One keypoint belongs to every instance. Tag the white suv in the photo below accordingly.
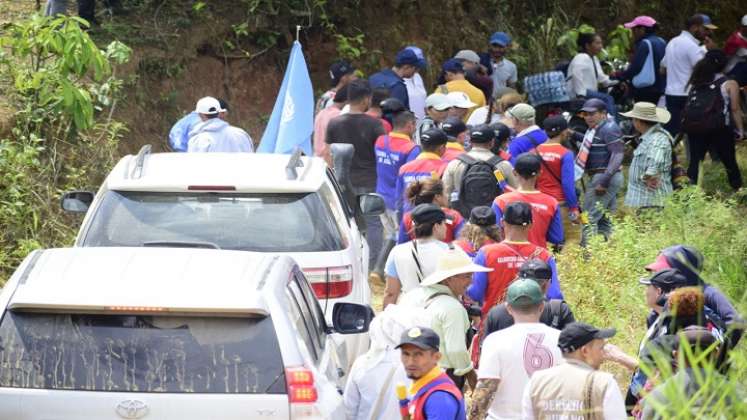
(136, 333)
(238, 201)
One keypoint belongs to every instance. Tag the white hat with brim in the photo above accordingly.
(460, 100)
(438, 101)
(647, 111)
(453, 262)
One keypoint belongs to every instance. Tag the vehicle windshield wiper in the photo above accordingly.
(181, 244)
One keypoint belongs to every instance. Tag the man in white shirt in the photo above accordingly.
(680, 56)
(213, 134)
(415, 87)
(511, 356)
(576, 388)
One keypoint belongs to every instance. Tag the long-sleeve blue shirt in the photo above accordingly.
(526, 142)
(179, 134)
(639, 59)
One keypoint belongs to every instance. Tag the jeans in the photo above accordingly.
(608, 100)
(55, 7)
(646, 95)
(720, 142)
(373, 230)
(598, 206)
(675, 106)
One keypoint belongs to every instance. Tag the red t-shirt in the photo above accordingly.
(505, 258)
(552, 155)
(546, 222)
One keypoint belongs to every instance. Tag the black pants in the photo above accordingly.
(459, 381)
(646, 95)
(722, 144)
(675, 106)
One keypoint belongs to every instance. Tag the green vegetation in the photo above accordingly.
(58, 80)
(602, 287)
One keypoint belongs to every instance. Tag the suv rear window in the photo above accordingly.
(246, 222)
(133, 353)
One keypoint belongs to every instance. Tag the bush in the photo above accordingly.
(601, 285)
(58, 79)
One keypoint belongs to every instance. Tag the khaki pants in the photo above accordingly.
(572, 232)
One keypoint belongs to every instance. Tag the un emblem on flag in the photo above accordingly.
(289, 109)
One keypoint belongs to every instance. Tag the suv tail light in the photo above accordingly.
(330, 282)
(302, 393)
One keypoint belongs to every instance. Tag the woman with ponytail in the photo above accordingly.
(426, 192)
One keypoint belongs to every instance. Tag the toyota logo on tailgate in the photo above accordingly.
(132, 409)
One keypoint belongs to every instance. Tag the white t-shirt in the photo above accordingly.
(416, 95)
(582, 75)
(512, 355)
(401, 261)
(479, 115)
(367, 384)
(680, 56)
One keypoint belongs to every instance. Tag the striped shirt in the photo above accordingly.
(652, 158)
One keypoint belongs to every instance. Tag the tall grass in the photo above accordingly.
(601, 285)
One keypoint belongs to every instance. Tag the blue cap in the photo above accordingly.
(407, 57)
(500, 38)
(594, 105)
(453, 65)
(422, 62)
(706, 21)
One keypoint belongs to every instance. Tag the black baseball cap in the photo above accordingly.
(667, 280)
(554, 125)
(482, 216)
(338, 69)
(427, 213)
(392, 106)
(528, 165)
(594, 105)
(481, 134)
(577, 334)
(535, 269)
(502, 132)
(518, 213)
(433, 137)
(453, 126)
(421, 337)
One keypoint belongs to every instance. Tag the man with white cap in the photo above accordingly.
(440, 296)
(643, 71)
(213, 134)
(461, 105)
(649, 175)
(369, 392)
(437, 106)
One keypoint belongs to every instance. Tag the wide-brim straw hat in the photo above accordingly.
(647, 111)
(451, 263)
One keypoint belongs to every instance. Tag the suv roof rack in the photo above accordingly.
(294, 162)
(137, 172)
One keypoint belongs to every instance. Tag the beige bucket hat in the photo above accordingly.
(453, 262)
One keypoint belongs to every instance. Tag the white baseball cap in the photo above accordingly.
(744, 20)
(208, 106)
(439, 101)
(468, 55)
(460, 100)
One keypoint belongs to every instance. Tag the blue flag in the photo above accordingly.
(292, 121)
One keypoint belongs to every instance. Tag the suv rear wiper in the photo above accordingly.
(181, 244)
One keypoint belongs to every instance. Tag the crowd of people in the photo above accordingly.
(480, 195)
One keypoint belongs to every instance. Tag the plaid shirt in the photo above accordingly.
(652, 158)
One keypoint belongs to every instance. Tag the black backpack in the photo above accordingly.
(705, 109)
(479, 185)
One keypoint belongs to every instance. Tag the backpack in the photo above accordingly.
(705, 109)
(479, 185)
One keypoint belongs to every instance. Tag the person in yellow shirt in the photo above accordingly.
(456, 82)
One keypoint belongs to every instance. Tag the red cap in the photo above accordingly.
(660, 263)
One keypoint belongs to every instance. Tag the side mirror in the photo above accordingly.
(77, 201)
(371, 204)
(351, 318)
